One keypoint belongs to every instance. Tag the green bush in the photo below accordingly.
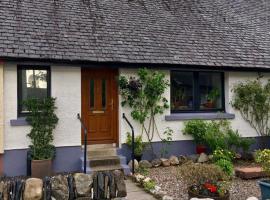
(43, 120)
(149, 185)
(197, 129)
(226, 166)
(223, 154)
(263, 158)
(138, 143)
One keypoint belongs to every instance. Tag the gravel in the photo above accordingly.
(167, 179)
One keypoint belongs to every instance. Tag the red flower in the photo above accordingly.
(212, 188)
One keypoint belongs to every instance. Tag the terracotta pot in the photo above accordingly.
(41, 168)
(193, 195)
(200, 149)
(209, 104)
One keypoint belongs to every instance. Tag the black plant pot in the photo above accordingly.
(138, 157)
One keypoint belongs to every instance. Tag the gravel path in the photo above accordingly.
(166, 178)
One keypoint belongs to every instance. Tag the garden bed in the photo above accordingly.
(175, 187)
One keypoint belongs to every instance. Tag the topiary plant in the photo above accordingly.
(43, 120)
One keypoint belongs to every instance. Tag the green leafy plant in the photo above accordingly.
(43, 121)
(149, 185)
(197, 129)
(263, 158)
(144, 95)
(223, 154)
(213, 95)
(166, 141)
(139, 145)
(143, 171)
(252, 99)
(226, 166)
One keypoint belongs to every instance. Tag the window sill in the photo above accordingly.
(21, 121)
(204, 116)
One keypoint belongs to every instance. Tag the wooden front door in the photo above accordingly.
(100, 105)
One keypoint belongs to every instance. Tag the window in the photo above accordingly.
(196, 91)
(33, 82)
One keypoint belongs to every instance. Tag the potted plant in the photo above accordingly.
(43, 120)
(205, 181)
(212, 97)
(138, 145)
(197, 129)
(263, 157)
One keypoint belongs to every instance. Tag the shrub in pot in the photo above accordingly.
(197, 129)
(138, 145)
(263, 158)
(43, 120)
(205, 181)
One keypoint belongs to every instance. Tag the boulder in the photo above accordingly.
(174, 160)
(139, 177)
(60, 187)
(83, 183)
(33, 189)
(145, 164)
(193, 157)
(165, 162)
(120, 183)
(167, 198)
(249, 172)
(203, 158)
(182, 159)
(156, 162)
(136, 164)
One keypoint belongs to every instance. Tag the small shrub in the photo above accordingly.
(143, 171)
(226, 166)
(149, 185)
(197, 129)
(263, 158)
(196, 173)
(223, 154)
(138, 144)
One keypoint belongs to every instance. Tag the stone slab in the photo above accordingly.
(249, 172)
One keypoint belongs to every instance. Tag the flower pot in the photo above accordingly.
(209, 104)
(138, 157)
(191, 194)
(265, 189)
(41, 168)
(200, 149)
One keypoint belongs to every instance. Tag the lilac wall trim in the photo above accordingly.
(67, 160)
(183, 147)
(21, 121)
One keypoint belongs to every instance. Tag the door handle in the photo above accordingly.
(98, 111)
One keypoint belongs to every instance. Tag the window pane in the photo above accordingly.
(92, 93)
(210, 88)
(103, 93)
(181, 91)
(33, 84)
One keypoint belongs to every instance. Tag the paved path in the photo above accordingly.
(136, 193)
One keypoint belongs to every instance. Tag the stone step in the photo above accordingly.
(99, 146)
(249, 172)
(101, 152)
(104, 161)
(103, 168)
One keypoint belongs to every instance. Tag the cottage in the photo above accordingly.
(75, 49)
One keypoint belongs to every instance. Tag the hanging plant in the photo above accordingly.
(144, 95)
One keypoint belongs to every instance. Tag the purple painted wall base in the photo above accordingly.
(67, 160)
(183, 147)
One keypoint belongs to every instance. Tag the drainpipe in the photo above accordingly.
(1, 115)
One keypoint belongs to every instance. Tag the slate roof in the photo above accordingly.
(197, 32)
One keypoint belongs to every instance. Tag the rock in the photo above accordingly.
(203, 158)
(136, 164)
(83, 184)
(147, 179)
(252, 198)
(145, 164)
(60, 187)
(120, 183)
(238, 156)
(139, 177)
(165, 162)
(33, 189)
(167, 198)
(174, 160)
(210, 157)
(249, 172)
(182, 159)
(156, 162)
(193, 157)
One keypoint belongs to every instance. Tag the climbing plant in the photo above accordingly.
(43, 120)
(252, 99)
(144, 95)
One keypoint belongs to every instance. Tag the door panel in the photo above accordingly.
(99, 105)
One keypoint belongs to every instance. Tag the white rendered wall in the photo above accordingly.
(66, 87)
(231, 78)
